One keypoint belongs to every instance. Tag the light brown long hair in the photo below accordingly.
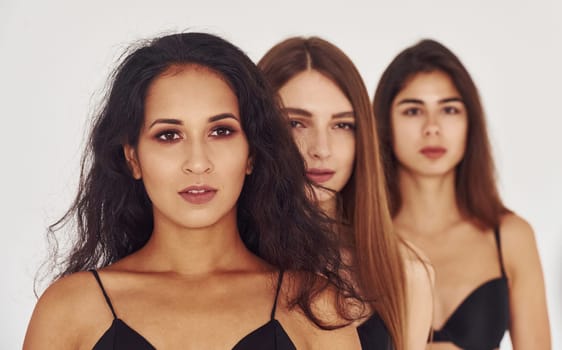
(475, 186)
(379, 266)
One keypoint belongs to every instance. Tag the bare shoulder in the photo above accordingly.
(67, 295)
(518, 243)
(516, 229)
(517, 235)
(58, 318)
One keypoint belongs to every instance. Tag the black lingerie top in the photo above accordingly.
(373, 334)
(120, 336)
(481, 320)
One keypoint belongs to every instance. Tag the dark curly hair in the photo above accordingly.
(111, 216)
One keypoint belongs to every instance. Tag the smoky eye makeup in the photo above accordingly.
(167, 135)
(222, 131)
(224, 127)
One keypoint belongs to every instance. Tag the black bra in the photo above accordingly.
(481, 320)
(120, 336)
(374, 335)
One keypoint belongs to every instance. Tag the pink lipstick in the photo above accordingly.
(199, 194)
(433, 152)
(319, 175)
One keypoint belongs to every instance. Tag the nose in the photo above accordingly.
(197, 160)
(319, 145)
(431, 127)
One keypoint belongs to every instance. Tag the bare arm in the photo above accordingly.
(420, 279)
(529, 327)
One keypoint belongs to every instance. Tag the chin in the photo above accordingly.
(436, 172)
(323, 195)
(199, 221)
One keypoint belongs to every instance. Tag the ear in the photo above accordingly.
(250, 165)
(132, 161)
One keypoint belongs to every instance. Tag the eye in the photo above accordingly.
(295, 124)
(345, 126)
(222, 131)
(168, 136)
(412, 112)
(451, 110)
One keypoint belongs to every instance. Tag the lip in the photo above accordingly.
(319, 175)
(433, 152)
(199, 194)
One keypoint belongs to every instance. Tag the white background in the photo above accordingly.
(55, 57)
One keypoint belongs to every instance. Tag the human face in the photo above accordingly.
(429, 125)
(323, 127)
(192, 154)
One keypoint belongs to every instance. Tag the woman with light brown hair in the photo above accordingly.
(443, 197)
(330, 114)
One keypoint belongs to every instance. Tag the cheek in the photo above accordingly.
(399, 149)
(300, 138)
(230, 158)
(344, 145)
(403, 136)
(462, 139)
(159, 176)
(458, 130)
(158, 164)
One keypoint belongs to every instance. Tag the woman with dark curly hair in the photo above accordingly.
(193, 229)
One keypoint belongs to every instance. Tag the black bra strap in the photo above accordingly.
(95, 273)
(499, 246)
(279, 282)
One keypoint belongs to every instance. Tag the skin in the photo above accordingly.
(463, 256)
(323, 125)
(194, 285)
(420, 280)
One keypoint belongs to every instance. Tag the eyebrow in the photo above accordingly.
(298, 111)
(305, 113)
(451, 99)
(420, 102)
(166, 121)
(180, 122)
(346, 114)
(222, 116)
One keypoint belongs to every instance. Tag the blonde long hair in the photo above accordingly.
(378, 262)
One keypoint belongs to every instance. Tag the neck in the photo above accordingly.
(197, 251)
(428, 202)
(328, 206)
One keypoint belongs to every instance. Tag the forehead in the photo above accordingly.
(434, 83)
(189, 91)
(314, 91)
